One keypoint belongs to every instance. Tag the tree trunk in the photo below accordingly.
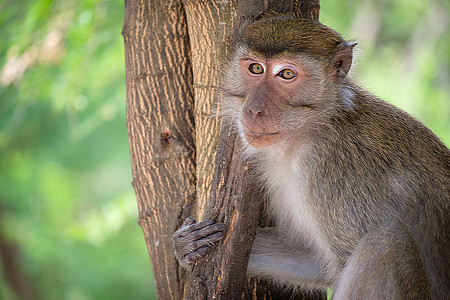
(160, 124)
(210, 26)
(173, 175)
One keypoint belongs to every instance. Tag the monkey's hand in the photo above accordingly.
(193, 240)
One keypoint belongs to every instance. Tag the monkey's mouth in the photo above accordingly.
(260, 139)
(261, 134)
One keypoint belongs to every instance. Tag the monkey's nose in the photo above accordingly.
(257, 111)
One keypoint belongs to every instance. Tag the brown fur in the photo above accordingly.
(374, 180)
(299, 35)
(359, 191)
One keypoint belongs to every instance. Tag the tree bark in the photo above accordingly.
(174, 51)
(160, 124)
(210, 25)
(307, 9)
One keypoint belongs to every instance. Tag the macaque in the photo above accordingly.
(358, 189)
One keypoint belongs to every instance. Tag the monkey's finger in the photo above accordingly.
(185, 230)
(188, 221)
(206, 231)
(209, 240)
(198, 225)
(191, 258)
(215, 237)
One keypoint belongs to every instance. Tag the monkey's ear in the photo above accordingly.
(342, 61)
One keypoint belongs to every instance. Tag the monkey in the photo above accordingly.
(358, 189)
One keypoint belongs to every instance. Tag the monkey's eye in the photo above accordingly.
(256, 68)
(286, 74)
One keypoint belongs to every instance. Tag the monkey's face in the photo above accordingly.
(285, 78)
(275, 89)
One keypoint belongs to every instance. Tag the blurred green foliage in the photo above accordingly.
(66, 201)
(65, 180)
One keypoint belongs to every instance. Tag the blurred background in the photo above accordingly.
(68, 214)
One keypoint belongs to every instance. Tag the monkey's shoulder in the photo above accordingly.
(376, 141)
(375, 122)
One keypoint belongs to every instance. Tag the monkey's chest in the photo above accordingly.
(292, 210)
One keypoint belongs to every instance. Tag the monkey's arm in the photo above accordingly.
(193, 240)
(272, 258)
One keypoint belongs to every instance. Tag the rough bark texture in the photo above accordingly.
(308, 9)
(161, 128)
(174, 50)
(210, 26)
(211, 278)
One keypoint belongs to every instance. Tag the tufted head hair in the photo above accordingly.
(275, 34)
